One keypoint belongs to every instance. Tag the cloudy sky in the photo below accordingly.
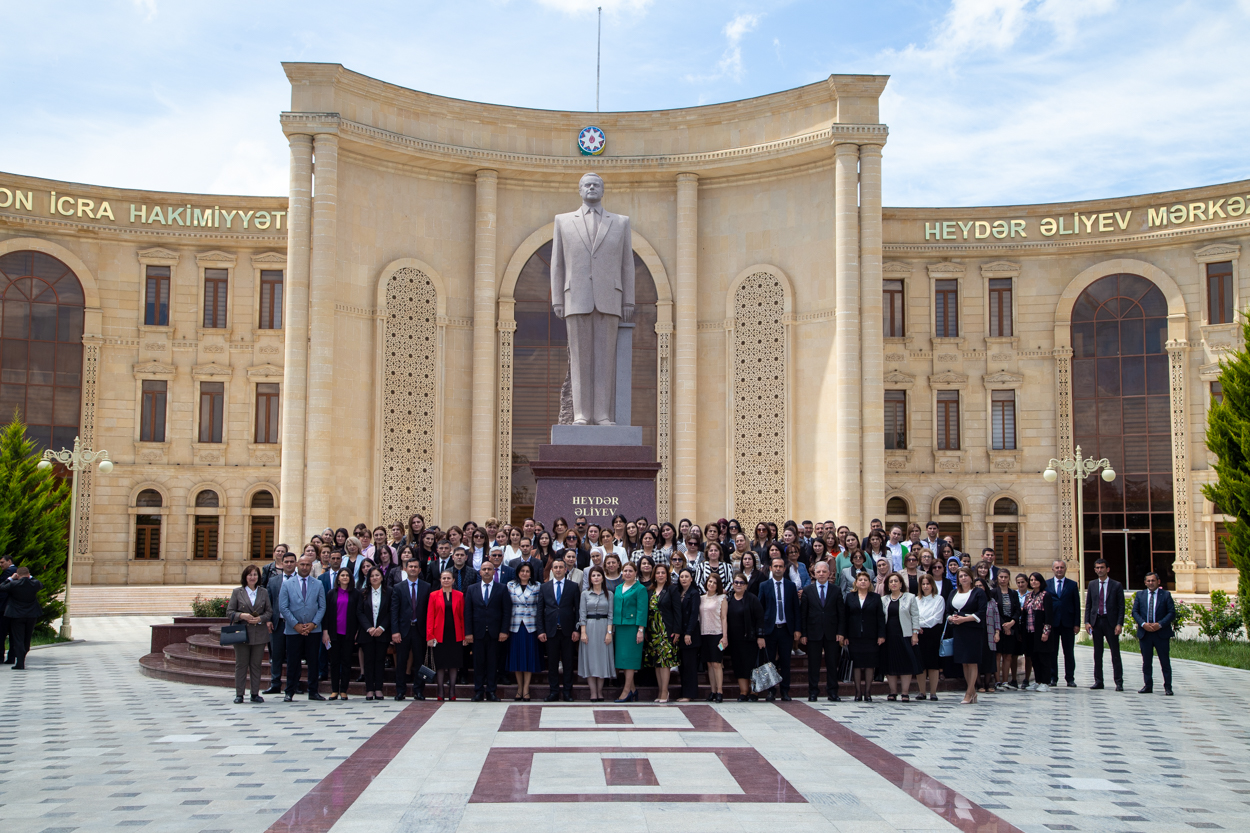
(990, 101)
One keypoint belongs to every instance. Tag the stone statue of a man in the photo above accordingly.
(592, 289)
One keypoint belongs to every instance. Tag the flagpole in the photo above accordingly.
(598, 57)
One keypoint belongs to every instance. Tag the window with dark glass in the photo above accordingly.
(1000, 308)
(215, 283)
(946, 309)
(1217, 392)
(271, 299)
(152, 412)
(896, 506)
(206, 529)
(950, 507)
(212, 402)
(262, 533)
(1220, 292)
(1007, 533)
(892, 306)
(156, 301)
(267, 413)
(948, 420)
(41, 346)
(1003, 418)
(148, 527)
(1222, 536)
(896, 419)
(1121, 410)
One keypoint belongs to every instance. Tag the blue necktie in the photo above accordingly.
(558, 588)
(304, 588)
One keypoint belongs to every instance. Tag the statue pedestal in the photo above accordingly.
(594, 476)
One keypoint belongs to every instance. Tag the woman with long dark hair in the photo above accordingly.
(444, 633)
(689, 644)
(373, 615)
(864, 629)
(338, 632)
(1038, 616)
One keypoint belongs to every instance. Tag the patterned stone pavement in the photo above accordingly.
(90, 744)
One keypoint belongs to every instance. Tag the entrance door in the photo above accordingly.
(1129, 566)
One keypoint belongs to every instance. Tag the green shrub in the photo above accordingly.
(1222, 620)
(1185, 613)
(209, 608)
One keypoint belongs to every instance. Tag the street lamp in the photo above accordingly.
(77, 460)
(1078, 468)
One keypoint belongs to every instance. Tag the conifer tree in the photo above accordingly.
(1228, 435)
(34, 515)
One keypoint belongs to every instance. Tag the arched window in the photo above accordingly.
(207, 498)
(1006, 506)
(1121, 410)
(1006, 533)
(950, 506)
(148, 527)
(261, 537)
(41, 346)
(950, 521)
(207, 525)
(896, 506)
(540, 362)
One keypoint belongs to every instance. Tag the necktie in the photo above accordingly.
(304, 588)
(1102, 597)
(781, 605)
(412, 588)
(594, 227)
(559, 587)
(486, 592)
(822, 595)
(1151, 618)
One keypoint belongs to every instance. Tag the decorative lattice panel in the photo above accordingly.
(759, 357)
(86, 432)
(409, 391)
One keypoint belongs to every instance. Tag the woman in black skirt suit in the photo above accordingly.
(902, 636)
(373, 614)
(864, 629)
(746, 614)
(1009, 616)
(966, 614)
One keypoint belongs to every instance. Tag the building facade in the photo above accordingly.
(379, 341)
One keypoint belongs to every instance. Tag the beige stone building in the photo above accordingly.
(379, 342)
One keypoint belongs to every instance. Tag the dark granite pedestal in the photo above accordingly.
(597, 481)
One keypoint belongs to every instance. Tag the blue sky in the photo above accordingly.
(990, 101)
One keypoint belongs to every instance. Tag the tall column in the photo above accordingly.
(482, 477)
(871, 335)
(295, 337)
(321, 291)
(686, 350)
(846, 334)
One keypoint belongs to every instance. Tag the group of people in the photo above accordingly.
(639, 601)
(19, 611)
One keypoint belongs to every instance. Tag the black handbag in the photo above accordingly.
(233, 634)
(425, 674)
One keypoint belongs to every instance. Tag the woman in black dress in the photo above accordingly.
(902, 635)
(1009, 616)
(864, 629)
(966, 616)
(689, 643)
(746, 614)
(444, 632)
(373, 614)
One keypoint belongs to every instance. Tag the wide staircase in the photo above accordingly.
(189, 651)
(147, 600)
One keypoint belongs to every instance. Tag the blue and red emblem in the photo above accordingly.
(591, 141)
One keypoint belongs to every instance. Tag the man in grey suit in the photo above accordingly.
(592, 289)
(302, 603)
(277, 633)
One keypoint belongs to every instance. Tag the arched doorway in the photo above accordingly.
(41, 357)
(540, 362)
(1121, 411)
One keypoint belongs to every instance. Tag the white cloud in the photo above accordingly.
(730, 64)
(148, 7)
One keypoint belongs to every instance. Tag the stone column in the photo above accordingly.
(872, 342)
(686, 350)
(1064, 448)
(320, 451)
(295, 336)
(482, 468)
(846, 344)
(1185, 569)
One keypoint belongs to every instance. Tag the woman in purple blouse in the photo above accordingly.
(338, 632)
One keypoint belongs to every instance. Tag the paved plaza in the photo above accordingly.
(90, 744)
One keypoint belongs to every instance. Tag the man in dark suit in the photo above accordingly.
(529, 557)
(442, 561)
(820, 615)
(6, 572)
(487, 617)
(23, 611)
(780, 599)
(1067, 623)
(277, 631)
(502, 573)
(1154, 613)
(559, 605)
(462, 572)
(410, 599)
(1104, 619)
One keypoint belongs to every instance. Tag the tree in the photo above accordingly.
(1228, 435)
(34, 515)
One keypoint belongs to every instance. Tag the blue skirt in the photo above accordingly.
(523, 651)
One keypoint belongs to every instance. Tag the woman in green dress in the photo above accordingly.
(660, 651)
(629, 617)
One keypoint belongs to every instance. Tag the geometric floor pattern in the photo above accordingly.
(90, 744)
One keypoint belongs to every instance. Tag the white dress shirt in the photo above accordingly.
(251, 595)
(375, 595)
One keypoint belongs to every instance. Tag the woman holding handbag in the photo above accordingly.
(373, 616)
(745, 615)
(249, 605)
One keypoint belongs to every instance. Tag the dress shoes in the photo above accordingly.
(288, 697)
(273, 689)
(553, 697)
(312, 695)
(1071, 683)
(833, 698)
(1145, 690)
(256, 698)
(1119, 686)
(785, 698)
(419, 694)
(1096, 687)
(813, 697)
(492, 697)
(238, 700)
(479, 697)
(771, 696)
(1167, 691)
(399, 697)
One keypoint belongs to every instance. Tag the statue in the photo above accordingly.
(592, 289)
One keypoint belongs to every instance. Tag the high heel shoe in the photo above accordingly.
(628, 698)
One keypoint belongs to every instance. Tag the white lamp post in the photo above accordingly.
(76, 460)
(1078, 468)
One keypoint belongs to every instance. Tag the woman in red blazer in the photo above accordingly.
(444, 632)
